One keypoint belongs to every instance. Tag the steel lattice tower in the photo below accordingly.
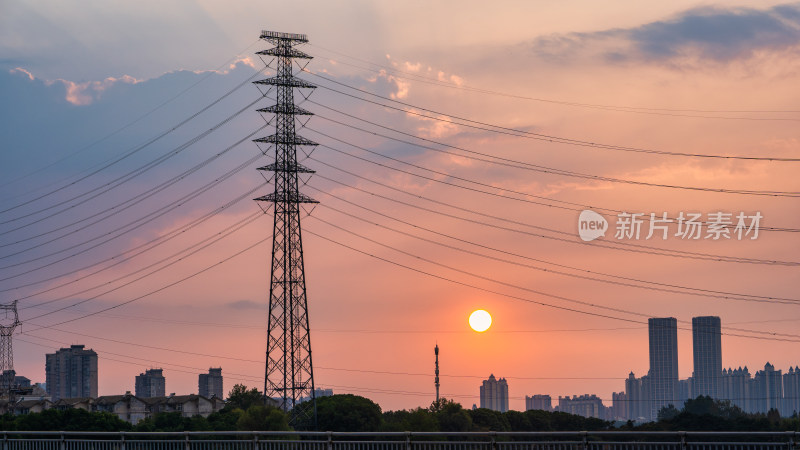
(9, 323)
(289, 376)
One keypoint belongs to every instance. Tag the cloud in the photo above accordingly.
(85, 93)
(245, 304)
(719, 34)
(81, 94)
(707, 34)
(22, 71)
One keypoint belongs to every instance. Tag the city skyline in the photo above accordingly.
(640, 400)
(407, 239)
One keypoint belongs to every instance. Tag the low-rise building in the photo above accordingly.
(127, 407)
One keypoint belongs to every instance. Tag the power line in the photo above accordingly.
(770, 335)
(621, 108)
(511, 285)
(124, 156)
(528, 134)
(130, 226)
(534, 167)
(127, 204)
(252, 246)
(128, 125)
(153, 243)
(123, 179)
(201, 245)
(670, 288)
(351, 370)
(622, 246)
(173, 321)
(496, 160)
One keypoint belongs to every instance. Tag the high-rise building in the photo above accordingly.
(767, 390)
(707, 346)
(637, 397)
(686, 391)
(791, 392)
(210, 384)
(71, 372)
(539, 401)
(494, 394)
(736, 385)
(619, 407)
(151, 383)
(663, 364)
(585, 405)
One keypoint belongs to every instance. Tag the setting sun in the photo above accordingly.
(480, 320)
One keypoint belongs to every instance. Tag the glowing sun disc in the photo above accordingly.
(480, 320)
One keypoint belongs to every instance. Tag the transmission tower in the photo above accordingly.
(289, 376)
(10, 321)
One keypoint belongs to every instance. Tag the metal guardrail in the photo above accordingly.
(601, 440)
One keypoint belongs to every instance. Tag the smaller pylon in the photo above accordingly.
(436, 351)
(8, 323)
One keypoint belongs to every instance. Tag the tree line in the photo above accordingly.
(245, 411)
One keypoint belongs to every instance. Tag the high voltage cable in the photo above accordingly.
(339, 369)
(250, 378)
(535, 167)
(118, 208)
(771, 336)
(124, 156)
(511, 285)
(132, 225)
(153, 243)
(576, 206)
(192, 249)
(621, 246)
(505, 162)
(667, 287)
(125, 178)
(527, 134)
(385, 331)
(142, 220)
(252, 246)
(170, 365)
(129, 124)
(591, 105)
(649, 111)
(436, 276)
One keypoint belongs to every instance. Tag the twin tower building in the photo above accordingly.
(663, 380)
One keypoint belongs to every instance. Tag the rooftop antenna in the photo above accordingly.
(436, 351)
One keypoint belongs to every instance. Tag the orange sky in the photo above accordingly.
(702, 76)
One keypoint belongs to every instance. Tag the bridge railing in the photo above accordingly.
(579, 440)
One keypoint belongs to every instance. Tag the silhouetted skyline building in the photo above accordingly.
(585, 405)
(210, 384)
(685, 391)
(619, 407)
(71, 373)
(663, 374)
(791, 392)
(736, 384)
(494, 394)
(541, 402)
(638, 397)
(767, 389)
(707, 353)
(151, 383)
